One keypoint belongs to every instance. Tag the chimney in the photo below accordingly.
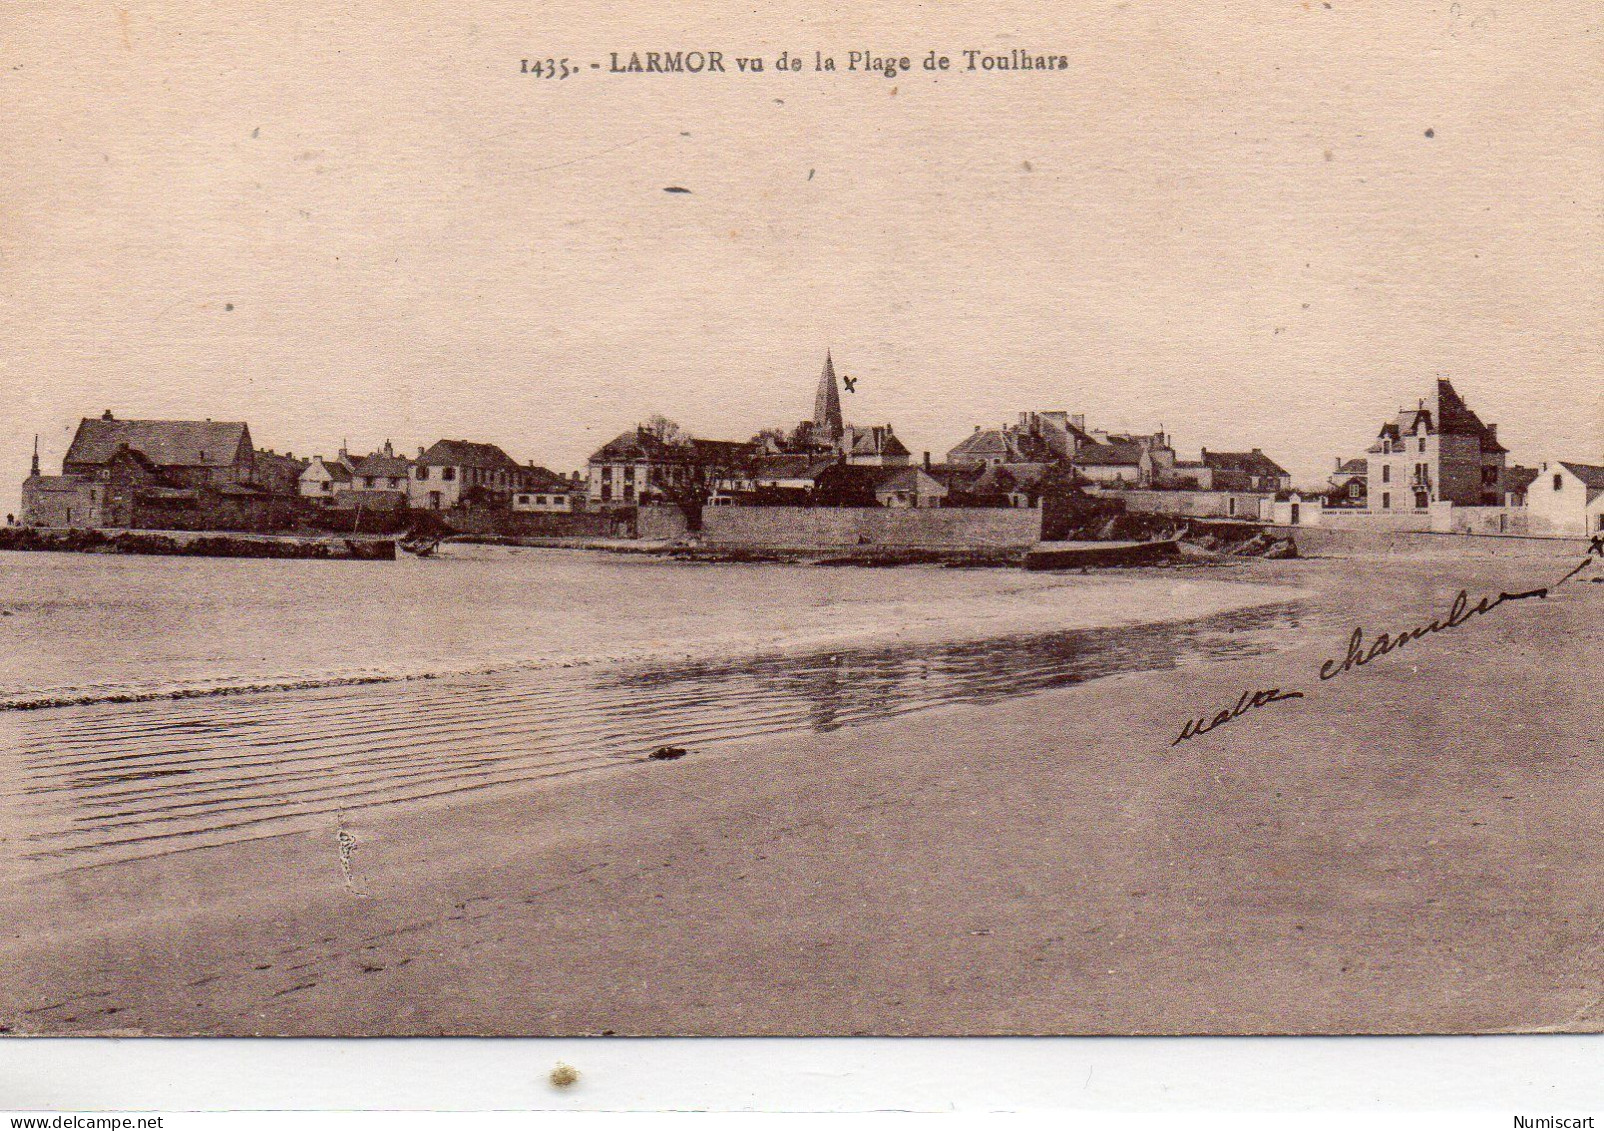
(1257, 452)
(107, 415)
(33, 472)
(420, 451)
(927, 461)
(1492, 430)
(977, 428)
(388, 450)
(1079, 421)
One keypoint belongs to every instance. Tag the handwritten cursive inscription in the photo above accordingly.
(1460, 612)
(1250, 700)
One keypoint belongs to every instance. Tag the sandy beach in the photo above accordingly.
(1046, 863)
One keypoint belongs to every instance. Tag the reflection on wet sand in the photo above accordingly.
(93, 784)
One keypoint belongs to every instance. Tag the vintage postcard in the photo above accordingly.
(570, 519)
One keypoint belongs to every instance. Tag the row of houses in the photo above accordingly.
(1436, 454)
(114, 465)
(828, 461)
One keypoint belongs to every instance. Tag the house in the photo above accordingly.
(773, 480)
(62, 502)
(1347, 483)
(1038, 437)
(324, 479)
(546, 492)
(863, 485)
(1121, 462)
(641, 466)
(873, 446)
(381, 481)
(1245, 471)
(279, 474)
(1437, 451)
(1189, 475)
(105, 498)
(185, 453)
(454, 473)
(1567, 498)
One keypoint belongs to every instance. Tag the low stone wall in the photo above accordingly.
(820, 527)
(1491, 520)
(1200, 504)
(1328, 541)
(536, 524)
(661, 523)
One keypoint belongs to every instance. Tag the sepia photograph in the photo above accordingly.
(557, 520)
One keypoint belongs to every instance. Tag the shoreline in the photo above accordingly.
(1109, 598)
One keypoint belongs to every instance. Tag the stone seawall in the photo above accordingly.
(839, 527)
(1326, 541)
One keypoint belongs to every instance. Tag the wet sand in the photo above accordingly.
(1413, 846)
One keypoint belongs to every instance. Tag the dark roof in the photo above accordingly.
(634, 445)
(167, 443)
(466, 453)
(637, 446)
(982, 442)
(791, 467)
(545, 479)
(1517, 478)
(379, 465)
(1353, 467)
(1588, 473)
(1121, 454)
(1455, 418)
(722, 451)
(875, 441)
(269, 456)
(1250, 463)
(1445, 412)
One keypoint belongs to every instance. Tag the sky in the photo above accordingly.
(1259, 225)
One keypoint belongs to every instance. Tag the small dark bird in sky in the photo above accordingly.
(676, 188)
(850, 384)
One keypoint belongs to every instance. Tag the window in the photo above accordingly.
(629, 491)
(394, 482)
(448, 473)
(1559, 481)
(328, 485)
(1386, 499)
(423, 473)
(367, 480)
(1422, 443)
(1386, 473)
(606, 491)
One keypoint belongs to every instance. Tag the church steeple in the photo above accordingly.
(827, 425)
(33, 472)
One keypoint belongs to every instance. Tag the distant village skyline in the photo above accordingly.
(1308, 472)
